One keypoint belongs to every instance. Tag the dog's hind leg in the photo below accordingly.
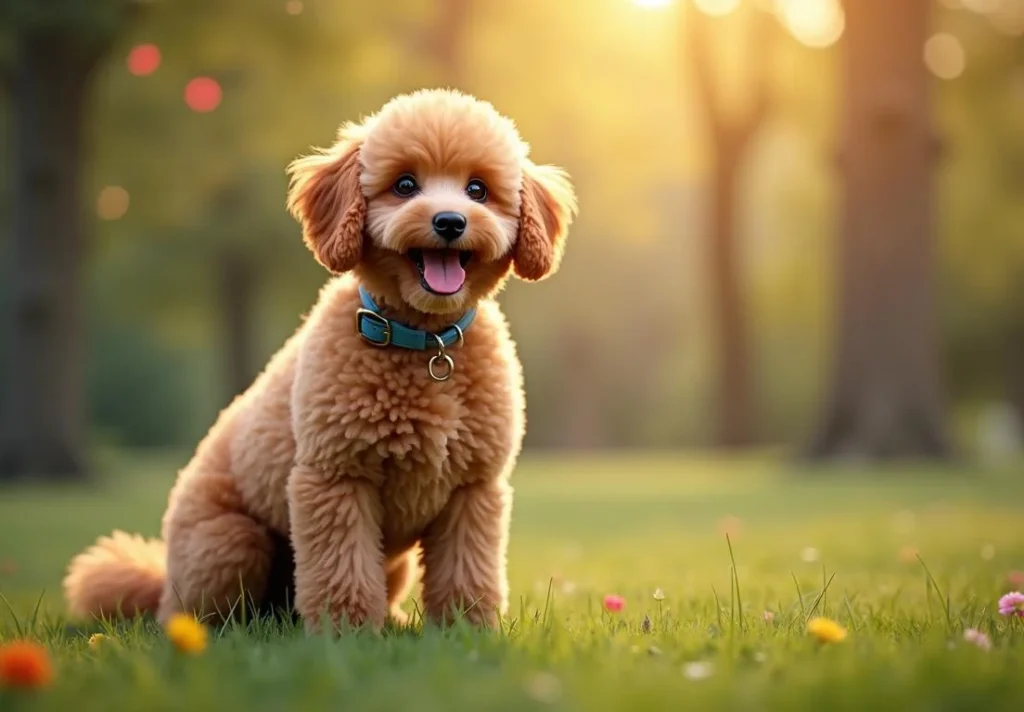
(216, 552)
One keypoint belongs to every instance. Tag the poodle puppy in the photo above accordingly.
(379, 440)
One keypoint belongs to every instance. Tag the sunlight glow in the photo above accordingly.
(944, 56)
(815, 23)
(112, 203)
(716, 8)
(652, 4)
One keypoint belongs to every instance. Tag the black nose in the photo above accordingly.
(449, 226)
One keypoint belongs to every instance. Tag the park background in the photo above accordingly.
(152, 272)
(791, 313)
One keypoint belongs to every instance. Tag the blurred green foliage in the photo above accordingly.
(615, 347)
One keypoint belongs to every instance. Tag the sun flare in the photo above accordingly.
(652, 4)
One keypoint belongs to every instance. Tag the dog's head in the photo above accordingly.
(432, 202)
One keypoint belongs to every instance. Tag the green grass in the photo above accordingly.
(583, 528)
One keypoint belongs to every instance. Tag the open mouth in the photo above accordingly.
(441, 271)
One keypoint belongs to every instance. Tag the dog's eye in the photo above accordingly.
(405, 186)
(476, 190)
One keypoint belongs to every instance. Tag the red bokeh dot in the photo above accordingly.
(202, 94)
(143, 59)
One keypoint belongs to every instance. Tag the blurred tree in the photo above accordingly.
(210, 193)
(730, 142)
(982, 109)
(886, 397)
(56, 48)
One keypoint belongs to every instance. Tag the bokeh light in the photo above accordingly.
(112, 203)
(944, 56)
(293, 7)
(717, 8)
(814, 23)
(202, 94)
(143, 59)
(1008, 19)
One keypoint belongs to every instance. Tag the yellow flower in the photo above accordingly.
(96, 640)
(186, 633)
(826, 630)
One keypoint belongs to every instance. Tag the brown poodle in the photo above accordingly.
(383, 433)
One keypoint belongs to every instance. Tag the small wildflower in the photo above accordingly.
(186, 633)
(810, 555)
(698, 670)
(645, 626)
(613, 603)
(544, 687)
(569, 587)
(976, 637)
(730, 526)
(25, 665)
(1015, 578)
(659, 595)
(96, 640)
(760, 657)
(1012, 604)
(908, 554)
(654, 650)
(826, 630)
(768, 616)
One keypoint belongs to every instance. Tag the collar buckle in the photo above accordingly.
(374, 317)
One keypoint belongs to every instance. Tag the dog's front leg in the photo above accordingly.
(464, 556)
(339, 562)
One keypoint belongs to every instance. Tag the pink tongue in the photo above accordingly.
(442, 271)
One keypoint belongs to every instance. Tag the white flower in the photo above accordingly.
(544, 687)
(698, 670)
(659, 595)
(810, 555)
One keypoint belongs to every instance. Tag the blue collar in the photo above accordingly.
(381, 331)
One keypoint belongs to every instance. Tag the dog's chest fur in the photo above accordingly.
(379, 416)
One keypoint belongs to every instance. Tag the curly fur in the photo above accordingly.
(347, 456)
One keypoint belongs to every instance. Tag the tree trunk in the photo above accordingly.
(43, 432)
(730, 139)
(237, 283)
(735, 403)
(886, 395)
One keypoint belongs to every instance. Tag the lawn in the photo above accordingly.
(847, 545)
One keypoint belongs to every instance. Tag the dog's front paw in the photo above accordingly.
(339, 617)
(351, 613)
(478, 612)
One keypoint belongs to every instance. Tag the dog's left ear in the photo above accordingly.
(548, 208)
(326, 197)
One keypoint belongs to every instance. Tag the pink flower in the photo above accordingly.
(614, 603)
(1015, 578)
(768, 616)
(976, 637)
(1012, 604)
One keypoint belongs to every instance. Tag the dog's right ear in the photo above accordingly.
(325, 196)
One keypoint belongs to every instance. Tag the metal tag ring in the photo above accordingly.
(450, 367)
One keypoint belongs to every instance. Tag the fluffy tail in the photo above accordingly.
(122, 574)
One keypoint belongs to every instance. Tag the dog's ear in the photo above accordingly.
(325, 196)
(548, 208)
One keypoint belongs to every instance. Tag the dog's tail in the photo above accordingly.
(121, 574)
